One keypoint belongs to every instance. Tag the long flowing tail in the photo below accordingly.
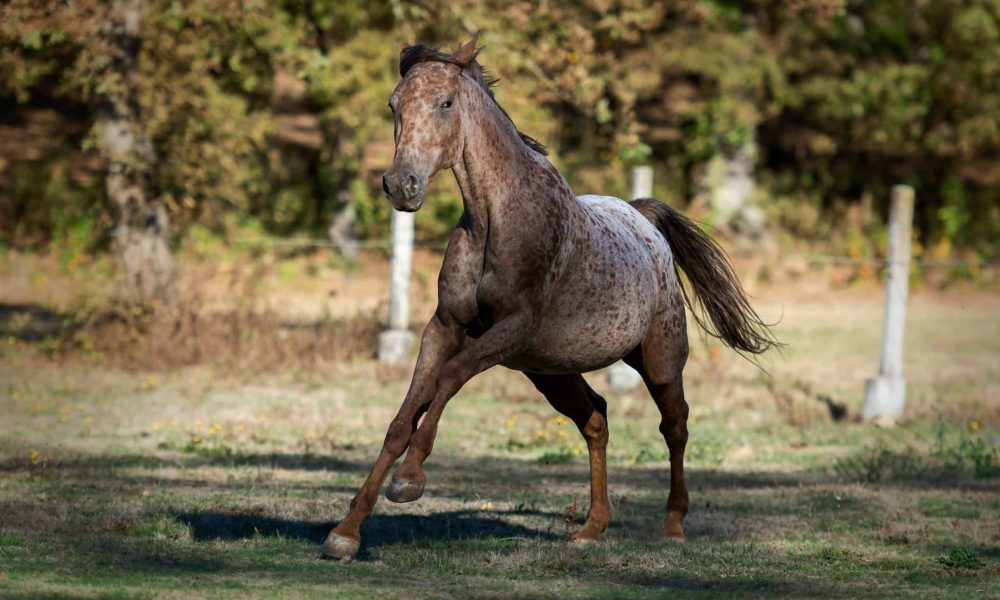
(719, 303)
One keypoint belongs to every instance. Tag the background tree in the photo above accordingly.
(270, 116)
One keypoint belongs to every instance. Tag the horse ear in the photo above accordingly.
(468, 51)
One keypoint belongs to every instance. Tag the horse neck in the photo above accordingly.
(494, 159)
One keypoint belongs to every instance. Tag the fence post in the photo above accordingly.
(394, 343)
(886, 394)
(620, 375)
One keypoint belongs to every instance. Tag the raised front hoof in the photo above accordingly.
(404, 490)
(339, 547)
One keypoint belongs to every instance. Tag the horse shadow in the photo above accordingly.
(378, 531)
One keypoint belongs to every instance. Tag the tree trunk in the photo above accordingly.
(141, 236)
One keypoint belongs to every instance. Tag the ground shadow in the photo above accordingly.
(29, 322)
(378, 531)
(272, 460)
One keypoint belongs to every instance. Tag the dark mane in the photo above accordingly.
(412, 56)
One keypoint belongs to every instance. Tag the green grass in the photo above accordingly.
(196, 483)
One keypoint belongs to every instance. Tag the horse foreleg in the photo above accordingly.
(439, 343)
(500, 342)
(571, 396)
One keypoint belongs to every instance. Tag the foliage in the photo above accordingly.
(273, 112)
(961, 558)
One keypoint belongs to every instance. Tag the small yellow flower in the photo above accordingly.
(156, 426)
(173, 422)
(198, 423)
(974, 426)
(510, 422)
(195, 439)
(562, 433)
(239, 428)
(88, 419)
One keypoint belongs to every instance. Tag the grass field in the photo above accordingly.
(215, 482)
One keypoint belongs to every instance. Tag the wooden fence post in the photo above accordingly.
(620, 375)
(886, 394)
(394, 343)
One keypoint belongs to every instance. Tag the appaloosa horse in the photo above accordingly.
(540, 281)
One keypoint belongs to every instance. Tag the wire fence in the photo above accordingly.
(816, 258)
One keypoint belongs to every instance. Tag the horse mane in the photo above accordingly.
(464, 57)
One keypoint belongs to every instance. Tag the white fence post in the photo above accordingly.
(886, 394)
(620, 375)
(394, 343)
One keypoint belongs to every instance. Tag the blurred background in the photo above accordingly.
(194, 266)
(268, 119)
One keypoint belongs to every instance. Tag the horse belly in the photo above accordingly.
(592, 322)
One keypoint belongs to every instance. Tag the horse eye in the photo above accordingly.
(446, 104)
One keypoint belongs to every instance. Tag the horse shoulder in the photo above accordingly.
(460, 276)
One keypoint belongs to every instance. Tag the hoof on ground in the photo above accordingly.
(674, 529)
(673, 535)
(339, 547)
(404, 490)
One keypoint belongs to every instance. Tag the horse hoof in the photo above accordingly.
(404, 490)
(674, 536)
(339, 547)
(674, 528)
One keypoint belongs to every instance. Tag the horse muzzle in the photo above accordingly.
(404, 191)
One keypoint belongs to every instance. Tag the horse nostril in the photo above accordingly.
(411, 186)
(385, 187)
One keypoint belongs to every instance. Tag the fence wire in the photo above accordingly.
(386, 243)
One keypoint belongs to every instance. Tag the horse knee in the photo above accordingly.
(452, 379)
(397, 438)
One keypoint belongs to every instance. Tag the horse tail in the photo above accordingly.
(719, 304)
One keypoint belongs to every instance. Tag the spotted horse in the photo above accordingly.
(540, 281)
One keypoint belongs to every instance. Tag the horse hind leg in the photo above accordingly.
(660, 360)
(571, 396)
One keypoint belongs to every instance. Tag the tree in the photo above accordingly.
(141, 235)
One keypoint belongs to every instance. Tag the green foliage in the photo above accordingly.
(961, 558)
(276, 110)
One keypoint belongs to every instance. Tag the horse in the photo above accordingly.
(540, 281)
